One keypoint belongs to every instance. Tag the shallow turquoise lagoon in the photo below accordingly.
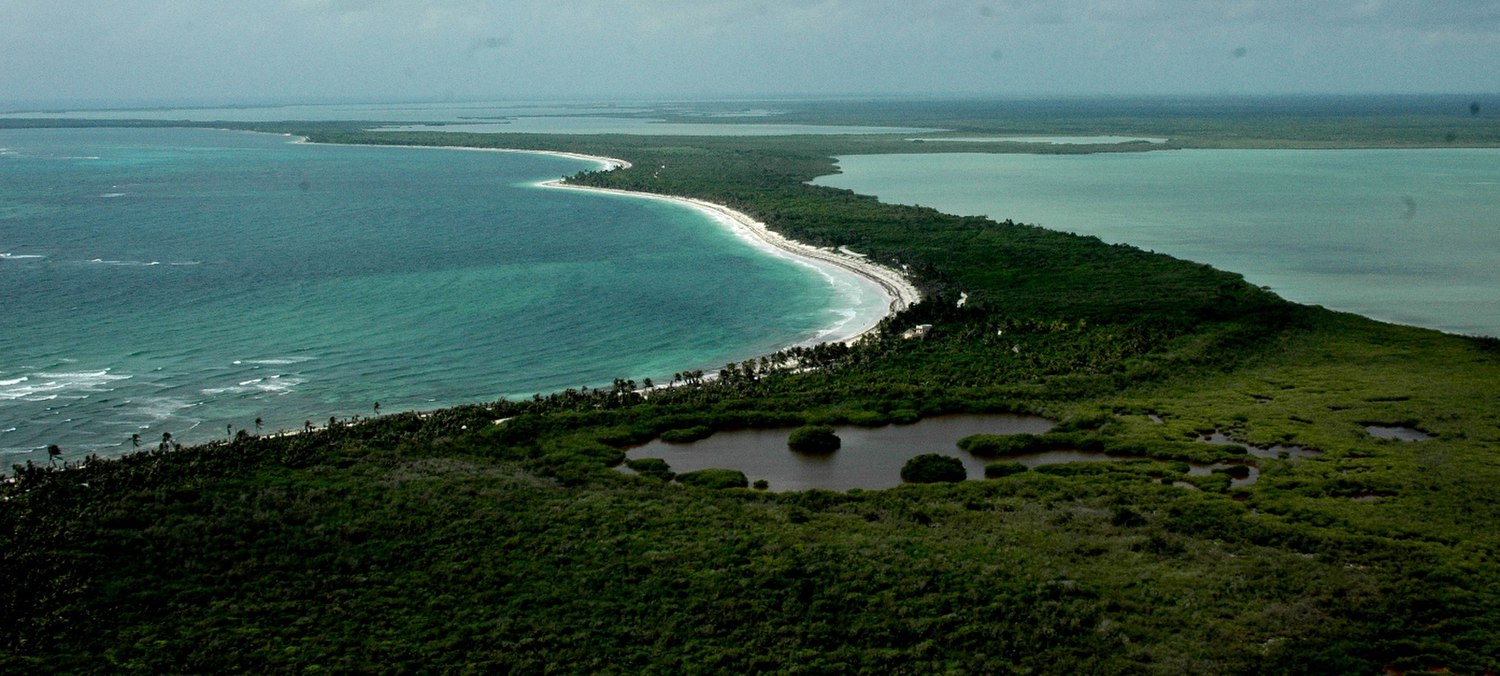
(1408, 236)
(191, 281)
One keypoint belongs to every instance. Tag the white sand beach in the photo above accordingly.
(898, 291)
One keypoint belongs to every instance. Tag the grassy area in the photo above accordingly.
(450, 542)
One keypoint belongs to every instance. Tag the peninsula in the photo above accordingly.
(448, 541)
(898, 290)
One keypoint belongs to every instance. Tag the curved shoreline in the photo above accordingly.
(899, 293)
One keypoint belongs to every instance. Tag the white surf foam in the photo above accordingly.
(101, 261)
(158, 409)
(838, 331)
(47, 386)
(277, 384)
(277, 361)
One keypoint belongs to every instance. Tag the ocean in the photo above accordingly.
(192, 281)
(1408, 236)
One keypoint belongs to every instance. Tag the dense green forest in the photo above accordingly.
(498, 536)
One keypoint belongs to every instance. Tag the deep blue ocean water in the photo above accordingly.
(183, 280)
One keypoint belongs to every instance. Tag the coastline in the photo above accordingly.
(606, 163)
(895, 291)
(898, 292)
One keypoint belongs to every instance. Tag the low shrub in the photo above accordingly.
(996, 445)
(715, 478)
(904, 416)
(652, 467)
(933, 468)
(996, 470)
(687, 435)
(814, 439)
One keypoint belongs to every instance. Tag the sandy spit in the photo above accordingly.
(898, 290)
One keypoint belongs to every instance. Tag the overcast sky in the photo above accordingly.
(222, 51)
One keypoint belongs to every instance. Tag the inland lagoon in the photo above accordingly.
(869, 457)
(872, 457)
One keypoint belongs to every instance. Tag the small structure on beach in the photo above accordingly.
(918, 331)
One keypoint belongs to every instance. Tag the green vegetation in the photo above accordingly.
(931, 468)
(714, 478)
(687, 435)
(447, 542)
(998, 470)
(813, 439)
(997, 445)
(652, 467)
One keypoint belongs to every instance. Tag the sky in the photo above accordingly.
(237, 51)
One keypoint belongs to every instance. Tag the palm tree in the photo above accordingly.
(135, 440)
(166, 441)
(258, 423)
(377, 408)
(53, 450)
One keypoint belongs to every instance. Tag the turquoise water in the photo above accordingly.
(174, 280)
(1409, 236)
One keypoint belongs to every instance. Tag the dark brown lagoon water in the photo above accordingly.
(870, 457)
(1397, 432)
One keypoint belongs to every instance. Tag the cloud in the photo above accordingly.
(539, 48)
